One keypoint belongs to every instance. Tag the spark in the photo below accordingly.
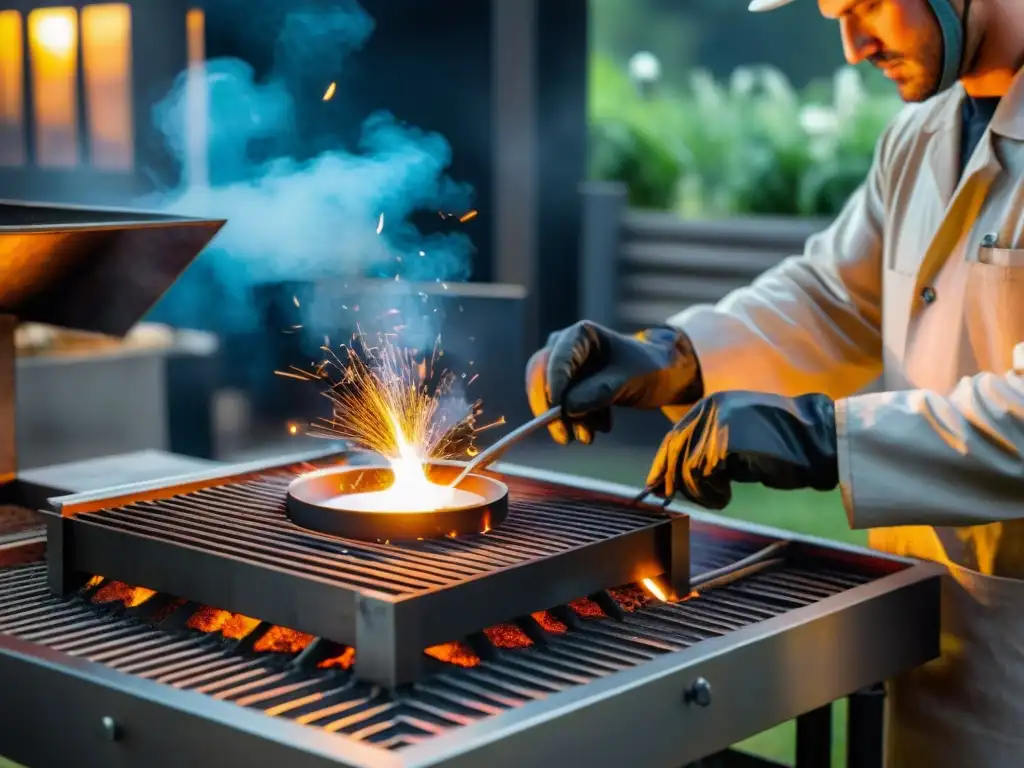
(300, 375)
(468, 216)
(329, 93)
(388, 400)
(380, 224)
(295, 300)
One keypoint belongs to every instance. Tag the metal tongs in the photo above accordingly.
(486, 457)
(641, 497)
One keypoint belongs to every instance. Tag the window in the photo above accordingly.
(107, 68)
(53, 44)
(12, 96)
(197, 107)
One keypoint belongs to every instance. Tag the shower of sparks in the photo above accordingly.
(329, 93)
(391, 401)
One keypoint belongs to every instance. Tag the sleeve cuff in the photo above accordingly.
(845, 459)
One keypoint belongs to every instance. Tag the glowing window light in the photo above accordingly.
(12, 114)
(107, 66)
(53, 38)
(196, 99)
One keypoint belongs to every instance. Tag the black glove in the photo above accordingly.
(748, 437)
(587, 368)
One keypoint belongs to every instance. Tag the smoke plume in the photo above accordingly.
(337, 214)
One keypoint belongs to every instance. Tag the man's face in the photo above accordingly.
(900, 37)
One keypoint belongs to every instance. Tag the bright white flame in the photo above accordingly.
(410, 476)
(654, 589)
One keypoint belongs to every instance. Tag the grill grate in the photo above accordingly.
(247, 520)
(279, 685)
(231, 544)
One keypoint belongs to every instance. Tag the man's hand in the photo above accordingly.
(747, 437)
(587, 368)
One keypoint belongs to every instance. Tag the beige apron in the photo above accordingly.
(920, 280)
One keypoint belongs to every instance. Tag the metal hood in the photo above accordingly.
(91, 269)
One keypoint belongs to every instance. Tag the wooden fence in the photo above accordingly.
(640, 267)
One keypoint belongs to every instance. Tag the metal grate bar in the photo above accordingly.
(591, 647)
(246, 520)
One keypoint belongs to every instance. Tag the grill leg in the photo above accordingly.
(865, 730)
(814, 738)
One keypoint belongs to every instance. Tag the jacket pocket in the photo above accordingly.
(993, 314)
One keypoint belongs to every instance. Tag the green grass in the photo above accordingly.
(808, 512)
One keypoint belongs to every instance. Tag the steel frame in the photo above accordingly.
(790, 666)
(391, 631)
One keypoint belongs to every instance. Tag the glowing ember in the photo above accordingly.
(116, 591)
(238, 626)
(630, 598)
(549, 623)
(282, 640)
(208, 619)
(344, 660)
(508, 636)
(458, 654)
(391, 404)
(587, 608)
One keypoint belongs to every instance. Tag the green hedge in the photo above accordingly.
(751, 146)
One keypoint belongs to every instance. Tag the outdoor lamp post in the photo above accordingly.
(644, 71)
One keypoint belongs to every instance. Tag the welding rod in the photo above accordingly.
(483, 459)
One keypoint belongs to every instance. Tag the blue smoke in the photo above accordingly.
(292, 219)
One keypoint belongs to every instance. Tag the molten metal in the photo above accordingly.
(386, 405)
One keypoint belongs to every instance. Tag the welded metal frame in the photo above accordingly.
(789, 666)
(390, 631)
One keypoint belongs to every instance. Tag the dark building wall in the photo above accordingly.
(562, 156)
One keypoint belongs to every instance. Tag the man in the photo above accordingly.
(919, 279)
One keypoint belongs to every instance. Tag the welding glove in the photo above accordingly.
(588, 368)
(747, 437)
